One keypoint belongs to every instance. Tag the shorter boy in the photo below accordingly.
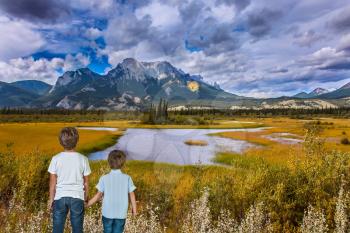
(115, 188)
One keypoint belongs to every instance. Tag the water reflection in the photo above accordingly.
(167, 145)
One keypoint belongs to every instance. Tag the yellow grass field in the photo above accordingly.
(28, 137)
(23, 138)
(333, 130)
(280, 176)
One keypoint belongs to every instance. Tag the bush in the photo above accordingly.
(345, 141)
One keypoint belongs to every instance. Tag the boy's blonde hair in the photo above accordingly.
(69, 138)
(116, 159)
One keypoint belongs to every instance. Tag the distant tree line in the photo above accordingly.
(157, 113)
(53, 111)
(290, 112)
(64, 115)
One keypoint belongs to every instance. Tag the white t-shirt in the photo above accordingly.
(70, 168)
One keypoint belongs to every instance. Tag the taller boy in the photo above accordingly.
(69, 172)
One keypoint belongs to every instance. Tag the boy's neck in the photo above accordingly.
(115, 169)
(69, 150)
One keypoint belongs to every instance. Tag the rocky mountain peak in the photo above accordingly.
(131, 63)
(140, 82)
(346, 86)
(319, 91)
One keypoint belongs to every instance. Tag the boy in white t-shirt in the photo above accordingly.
(69, 172)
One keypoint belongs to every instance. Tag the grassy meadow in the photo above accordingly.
(272, 187)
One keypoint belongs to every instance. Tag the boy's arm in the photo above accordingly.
(52, 190)
(133, 203)
(95, 199)
(86, 188)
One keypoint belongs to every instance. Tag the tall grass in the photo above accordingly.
(197, 220)
(249, 195)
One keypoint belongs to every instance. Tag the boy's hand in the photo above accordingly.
(87, 204)
(49, 205)
(134, 212)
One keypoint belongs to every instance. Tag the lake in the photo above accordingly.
(167, 145)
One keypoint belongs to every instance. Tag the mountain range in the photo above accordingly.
(134, 85)
(130, 85)
(33, 86)
(317, 92)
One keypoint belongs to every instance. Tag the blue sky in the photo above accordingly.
(264, 48)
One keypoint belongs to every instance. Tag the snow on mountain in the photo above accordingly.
(318, 91)
(346, 86)
(342, 92)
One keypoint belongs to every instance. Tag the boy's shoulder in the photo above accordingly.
(63, 154)
(56, 156)
(121, 174)
(66, 158)
(126, 175)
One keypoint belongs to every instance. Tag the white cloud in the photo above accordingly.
(344, 43)
(23, 69)
(18, 39)
(41, 69)
(100, 8)
(150, 30)
(143, 51)
(307, 38)
(74, 62)
(326, 58)
(222, 12)
(93, 33)
(162, 15)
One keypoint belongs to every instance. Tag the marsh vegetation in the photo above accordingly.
(271, 188)
(192, 142)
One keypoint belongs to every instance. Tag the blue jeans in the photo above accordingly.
(60, 210)
(113, 225)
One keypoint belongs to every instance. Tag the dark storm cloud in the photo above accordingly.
(133, 3)
(127, 31)
(190, 12)
(316, 76)
(338, 65)
(240, 4)
(295, 42)
(213, 37)
(35, 10)
(345, 46)
(260, 22)
(278, 70)
(342, 21)
(289, 82)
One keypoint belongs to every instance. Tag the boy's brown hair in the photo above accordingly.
(69, 138)
(116, 159)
